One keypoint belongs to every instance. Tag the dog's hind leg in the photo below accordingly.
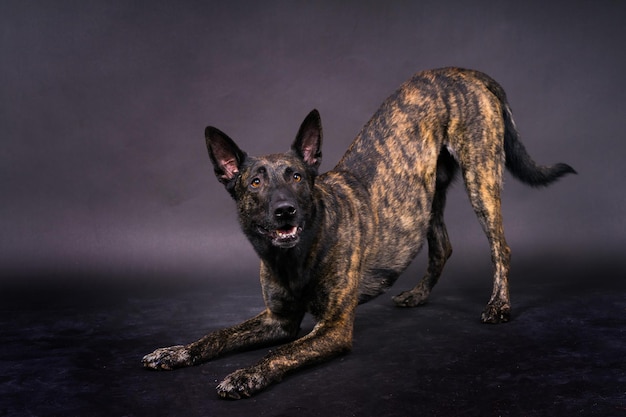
(483, 179)
(487, 207)
(439, 247)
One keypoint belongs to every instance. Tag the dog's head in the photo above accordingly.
(273, 192)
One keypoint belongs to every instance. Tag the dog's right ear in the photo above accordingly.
(225, 156)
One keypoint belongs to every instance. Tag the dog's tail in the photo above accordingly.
(518, 161)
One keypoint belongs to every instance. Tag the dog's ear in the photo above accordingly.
(225, 155)
(308, 143)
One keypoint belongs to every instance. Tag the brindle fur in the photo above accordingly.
(328, 242)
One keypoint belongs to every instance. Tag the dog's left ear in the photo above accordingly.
(308, 143)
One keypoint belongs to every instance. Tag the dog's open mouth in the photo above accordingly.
(286, 236)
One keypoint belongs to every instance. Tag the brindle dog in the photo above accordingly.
(329, 242)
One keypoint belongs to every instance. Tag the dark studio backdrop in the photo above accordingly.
(103, 166)
(105, 178)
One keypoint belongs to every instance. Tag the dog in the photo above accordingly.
(329, 242)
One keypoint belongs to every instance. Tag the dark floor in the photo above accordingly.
(75, 350)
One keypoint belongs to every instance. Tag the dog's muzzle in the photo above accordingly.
(285, 229)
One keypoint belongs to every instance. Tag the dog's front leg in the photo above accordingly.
(264, 329)
(325, 341)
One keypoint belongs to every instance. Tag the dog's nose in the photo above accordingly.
(284, 209)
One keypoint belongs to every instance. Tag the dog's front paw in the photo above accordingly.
(168, 358)
(242, 384)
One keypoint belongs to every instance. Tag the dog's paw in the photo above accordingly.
(412, 298)
(242, 384)
(168, 358)
(496, 313)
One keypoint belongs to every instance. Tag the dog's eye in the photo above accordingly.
(297, 177)
(255, 183)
